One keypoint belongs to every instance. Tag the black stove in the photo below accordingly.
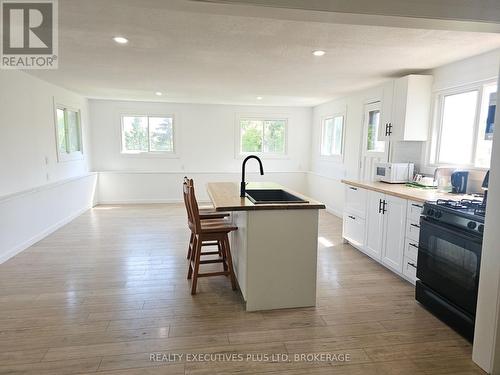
(449, 259)
(466, 214)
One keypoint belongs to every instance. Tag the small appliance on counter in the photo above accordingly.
(394, 173)
(459, 182)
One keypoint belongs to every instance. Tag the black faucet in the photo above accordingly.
(243, 183)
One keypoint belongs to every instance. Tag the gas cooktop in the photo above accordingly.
(467, 214)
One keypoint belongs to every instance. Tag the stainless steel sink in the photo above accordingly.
(269, 196)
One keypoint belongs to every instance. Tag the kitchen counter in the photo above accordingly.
(274, 249)
(225, 196)
(406, 192)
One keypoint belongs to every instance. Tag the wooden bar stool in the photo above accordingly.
(208, 231)
(205, 214)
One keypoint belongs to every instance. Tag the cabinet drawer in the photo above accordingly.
(412, 231)
(354, 229)
(414, 211)
(410, 269)
(355, 201)
(411, 250)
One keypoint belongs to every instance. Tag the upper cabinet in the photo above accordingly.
(406, 106)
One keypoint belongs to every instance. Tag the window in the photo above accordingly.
(332, 136)
(372, 144)
(464, 126)
(147, 134)
(68, 132)
(263, 136)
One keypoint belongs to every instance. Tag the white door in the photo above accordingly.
(394, 228)
(374, 225)
(386, 112)
(372, 150)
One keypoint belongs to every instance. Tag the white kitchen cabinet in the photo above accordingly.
(374, 225)
(410, 270)
(355, 201)
(405, 111)
(353, 230)
(394, 231)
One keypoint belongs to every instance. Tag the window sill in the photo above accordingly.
(333, 158)
(150, 155)
(263, 156)
(65, 157)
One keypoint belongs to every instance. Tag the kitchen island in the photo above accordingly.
(275, 247)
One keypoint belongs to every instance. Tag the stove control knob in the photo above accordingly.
(471, 225)
(480, 228)
(430, 212)
(438, 214)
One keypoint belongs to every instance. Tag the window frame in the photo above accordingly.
(435, 136)
(149, 154)
(64, 156)
(239, 154)
(334, 157)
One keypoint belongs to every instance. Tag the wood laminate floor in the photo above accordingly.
(109, 289)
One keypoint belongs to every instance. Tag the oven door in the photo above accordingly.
(448, 263)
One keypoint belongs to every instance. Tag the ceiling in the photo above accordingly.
(201, 57)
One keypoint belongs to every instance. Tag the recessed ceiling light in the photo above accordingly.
(318, 52)
(259, 98)
(120, 40)
(158, 93)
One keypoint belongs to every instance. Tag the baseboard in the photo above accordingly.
(17, 249)
(334, 212)
(138, 201)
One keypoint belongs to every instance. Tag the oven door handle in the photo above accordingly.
(448, 229)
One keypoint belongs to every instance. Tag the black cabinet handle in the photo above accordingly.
(412, 264)
(351, 217)
(386, 129)
(353, 188)
(415, 225)
(379, 205)
(390, 128)
(417, 205)
(413, 245)
(384, 204)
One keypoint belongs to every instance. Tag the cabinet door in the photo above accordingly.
(374, 225)
(355, 201)
(394, 228)
(354, 230)
(386, 111)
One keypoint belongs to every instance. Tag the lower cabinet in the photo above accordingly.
(382, 235)
(353, 229)
(394, 230)
(374, 225)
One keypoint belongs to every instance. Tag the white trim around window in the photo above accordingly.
(174, 154)
(64, 154)
(433, 147)
(335, 156)
(239, 154)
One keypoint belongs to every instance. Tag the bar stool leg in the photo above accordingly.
(197, 255)
(192, 257)
(190, 246)
(230, 262)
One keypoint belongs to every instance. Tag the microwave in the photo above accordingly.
(394, 173)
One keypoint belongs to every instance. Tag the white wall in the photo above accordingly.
(30, 173)
(486, 349)
(206, 150)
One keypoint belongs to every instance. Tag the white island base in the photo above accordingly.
(274, 257)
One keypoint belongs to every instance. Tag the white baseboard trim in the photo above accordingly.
(138, 201)
(334, 212)
(23, 246)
